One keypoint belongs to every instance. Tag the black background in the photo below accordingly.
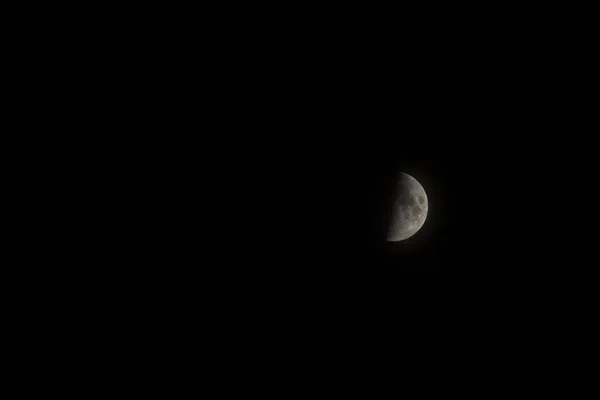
(287, 141)
(254, 201)
(226, 190)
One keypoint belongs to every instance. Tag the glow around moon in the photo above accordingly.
(410, 209)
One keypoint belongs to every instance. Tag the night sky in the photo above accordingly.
(246, 191)
(315, 138)
(276, 188)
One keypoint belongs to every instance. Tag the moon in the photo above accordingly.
(410, 209)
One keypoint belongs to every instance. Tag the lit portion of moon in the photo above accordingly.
(410, 209)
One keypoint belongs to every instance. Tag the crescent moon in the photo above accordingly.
(410, 209)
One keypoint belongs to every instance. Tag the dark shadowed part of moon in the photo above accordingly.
(410, 209)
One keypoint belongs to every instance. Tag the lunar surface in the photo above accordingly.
(410, 209)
